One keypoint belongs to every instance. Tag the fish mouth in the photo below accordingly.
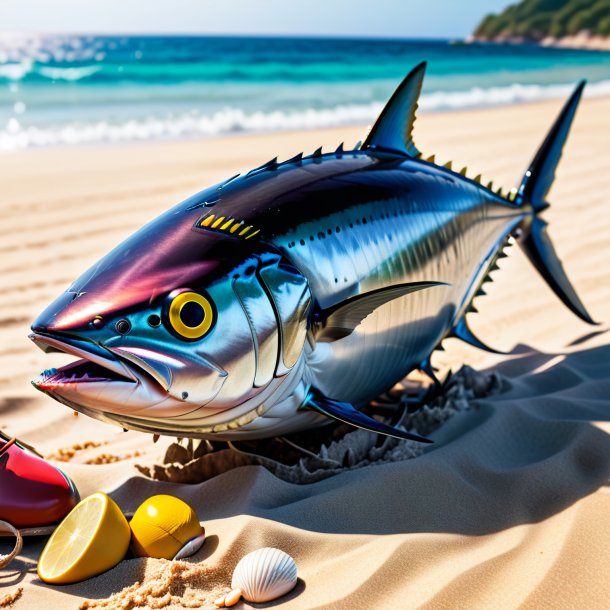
(80, 371)
(102, 380)
(105, 381)
(95, 364)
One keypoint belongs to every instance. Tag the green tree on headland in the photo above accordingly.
(536, 19)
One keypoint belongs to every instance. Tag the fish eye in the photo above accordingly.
(190, 315)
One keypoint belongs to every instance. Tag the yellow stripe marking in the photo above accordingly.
(226, 224)
(253, 234)
(236, 226)
(217, 222)
(207, 220)
(244, 231)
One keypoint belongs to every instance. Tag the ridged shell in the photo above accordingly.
(264, 575)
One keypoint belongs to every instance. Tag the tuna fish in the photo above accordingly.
(295, 293)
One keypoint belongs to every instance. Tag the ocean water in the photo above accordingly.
(67, 90)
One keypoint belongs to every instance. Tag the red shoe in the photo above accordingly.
(32, 492)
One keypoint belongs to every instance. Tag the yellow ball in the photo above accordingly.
(161, 526)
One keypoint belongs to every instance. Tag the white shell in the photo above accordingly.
(264, 575)
(191, 547)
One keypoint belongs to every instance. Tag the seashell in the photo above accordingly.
(232, 598)
(191, 547)
(264, 575)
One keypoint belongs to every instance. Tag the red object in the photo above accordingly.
(32, 492)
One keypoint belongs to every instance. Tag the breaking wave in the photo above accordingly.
(16, 136)
(511, 94)
(68, 74)
(20, 70)
(15, 71)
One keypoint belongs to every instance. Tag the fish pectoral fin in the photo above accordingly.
(341, 320)
(346, 413)
(393, 130)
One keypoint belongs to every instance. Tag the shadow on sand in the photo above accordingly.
(516, 458)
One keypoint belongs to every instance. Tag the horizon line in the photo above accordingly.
(304, 36)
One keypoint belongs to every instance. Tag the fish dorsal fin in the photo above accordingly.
(341, 320)
(393, 130)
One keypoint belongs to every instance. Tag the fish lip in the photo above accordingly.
(86, 351)
(160, 373)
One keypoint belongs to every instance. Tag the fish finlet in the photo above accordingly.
(262, 167)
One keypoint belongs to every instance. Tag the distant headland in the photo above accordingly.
(563, 23)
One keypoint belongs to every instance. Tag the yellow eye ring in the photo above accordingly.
(182, 300)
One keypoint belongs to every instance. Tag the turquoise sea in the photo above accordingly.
(65, 90)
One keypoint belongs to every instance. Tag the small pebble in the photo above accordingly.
(232, 598)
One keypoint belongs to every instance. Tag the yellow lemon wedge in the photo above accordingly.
(92, 538)
(162, 525)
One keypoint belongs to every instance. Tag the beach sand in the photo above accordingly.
(508, 509)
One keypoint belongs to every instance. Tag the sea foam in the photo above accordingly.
(229, 120)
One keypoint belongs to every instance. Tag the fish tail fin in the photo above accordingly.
(532, 192)
(539, 176)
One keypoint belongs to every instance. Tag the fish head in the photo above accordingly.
(175, 321)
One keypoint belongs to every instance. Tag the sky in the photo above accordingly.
(371, 18)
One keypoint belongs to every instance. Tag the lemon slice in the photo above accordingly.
(164, 525)
(93, 538)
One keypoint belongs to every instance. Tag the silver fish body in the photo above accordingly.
(297, 292)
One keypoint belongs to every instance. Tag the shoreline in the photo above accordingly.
(237, 135)
(582, 41)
